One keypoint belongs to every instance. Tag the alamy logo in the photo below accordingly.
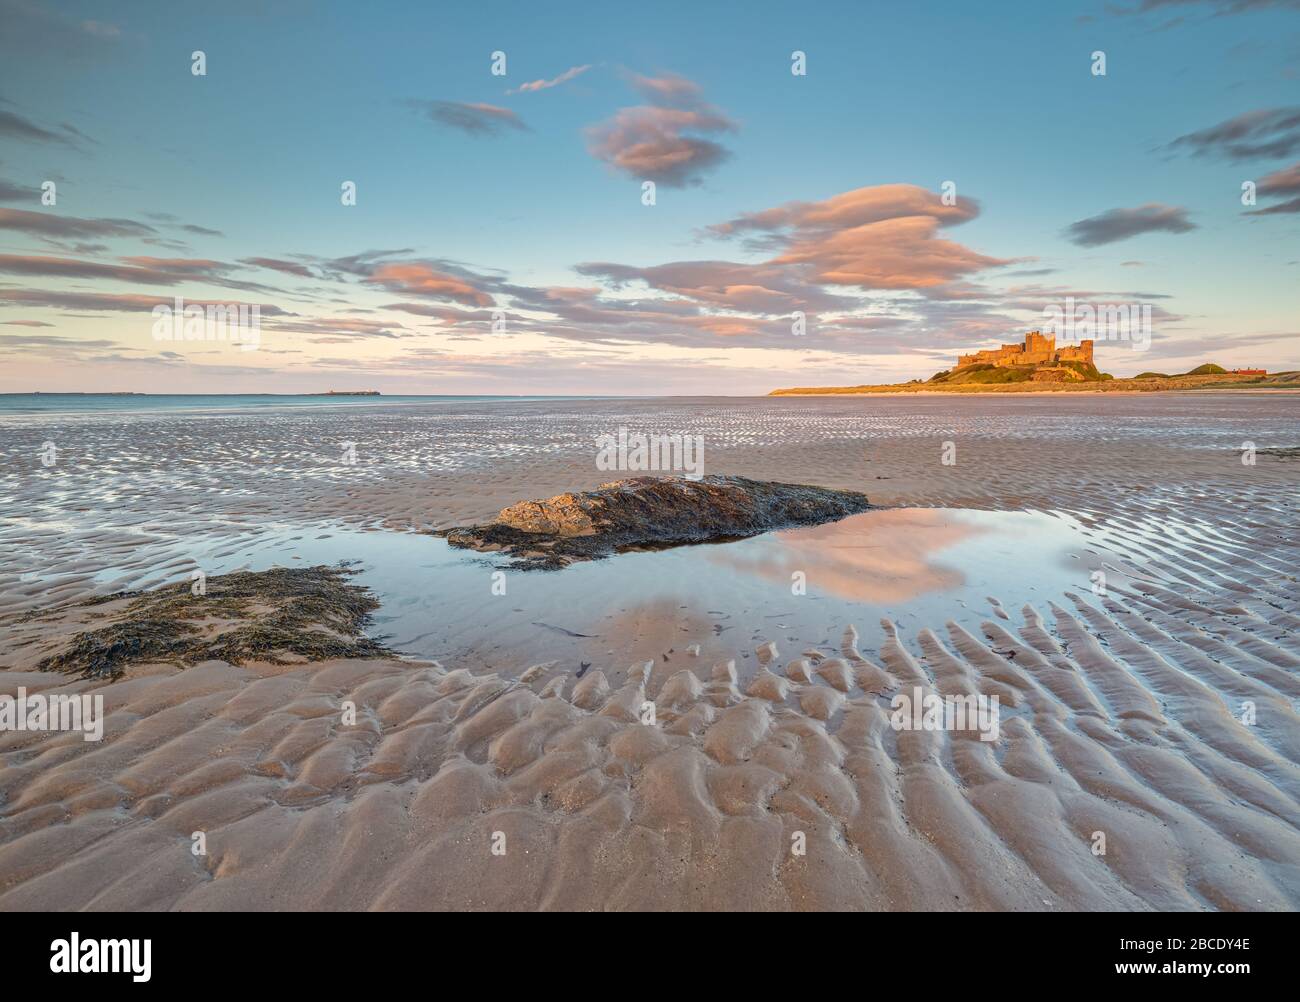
(102, 956)
(238, 323)
(637, 451)
(932, 712)
(56, 712)
(1103, 322)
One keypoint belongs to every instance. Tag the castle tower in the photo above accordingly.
(1035, 342)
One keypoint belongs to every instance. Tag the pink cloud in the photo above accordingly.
(891, 254)
(415, 278)
(664, 140)
(878, 237)
(669, 90)
(852, 208)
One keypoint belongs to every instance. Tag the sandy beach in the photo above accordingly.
(1109, 568)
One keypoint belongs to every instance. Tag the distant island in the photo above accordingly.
(350, 393)
(1038, 365)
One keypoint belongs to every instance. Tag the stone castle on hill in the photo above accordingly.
(1038, 349)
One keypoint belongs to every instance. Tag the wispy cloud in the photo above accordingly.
(537, 85)
(141, 270)
(1215, 6)
(11, 341)
(1267, 133)
(112, 302)
(60, 267)
(48, 224)
(34, 27)
(1280, 184)
(15, 127)
(10, 192)
(338, 329)
(1121, 224)
(275, 264)
(474, 119)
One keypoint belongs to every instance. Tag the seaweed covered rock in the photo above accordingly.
(280, 616)
(648, 512)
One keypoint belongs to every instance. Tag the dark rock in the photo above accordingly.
(650, 512)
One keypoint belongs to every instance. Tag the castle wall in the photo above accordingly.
(1038, 349)
(1082, 353)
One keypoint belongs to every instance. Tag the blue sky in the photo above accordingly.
(474, 197)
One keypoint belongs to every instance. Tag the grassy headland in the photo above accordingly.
(1062, 377)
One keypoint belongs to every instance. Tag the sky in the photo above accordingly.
(651, 199)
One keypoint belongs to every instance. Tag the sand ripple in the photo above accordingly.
(1133, 736)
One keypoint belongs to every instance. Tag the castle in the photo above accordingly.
(1038, 349)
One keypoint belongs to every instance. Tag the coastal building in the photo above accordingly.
(1038, 349)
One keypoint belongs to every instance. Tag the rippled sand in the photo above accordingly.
(1122, 713)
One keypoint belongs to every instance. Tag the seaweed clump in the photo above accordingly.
(278, 616)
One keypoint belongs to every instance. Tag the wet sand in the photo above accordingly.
(1121, 712)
